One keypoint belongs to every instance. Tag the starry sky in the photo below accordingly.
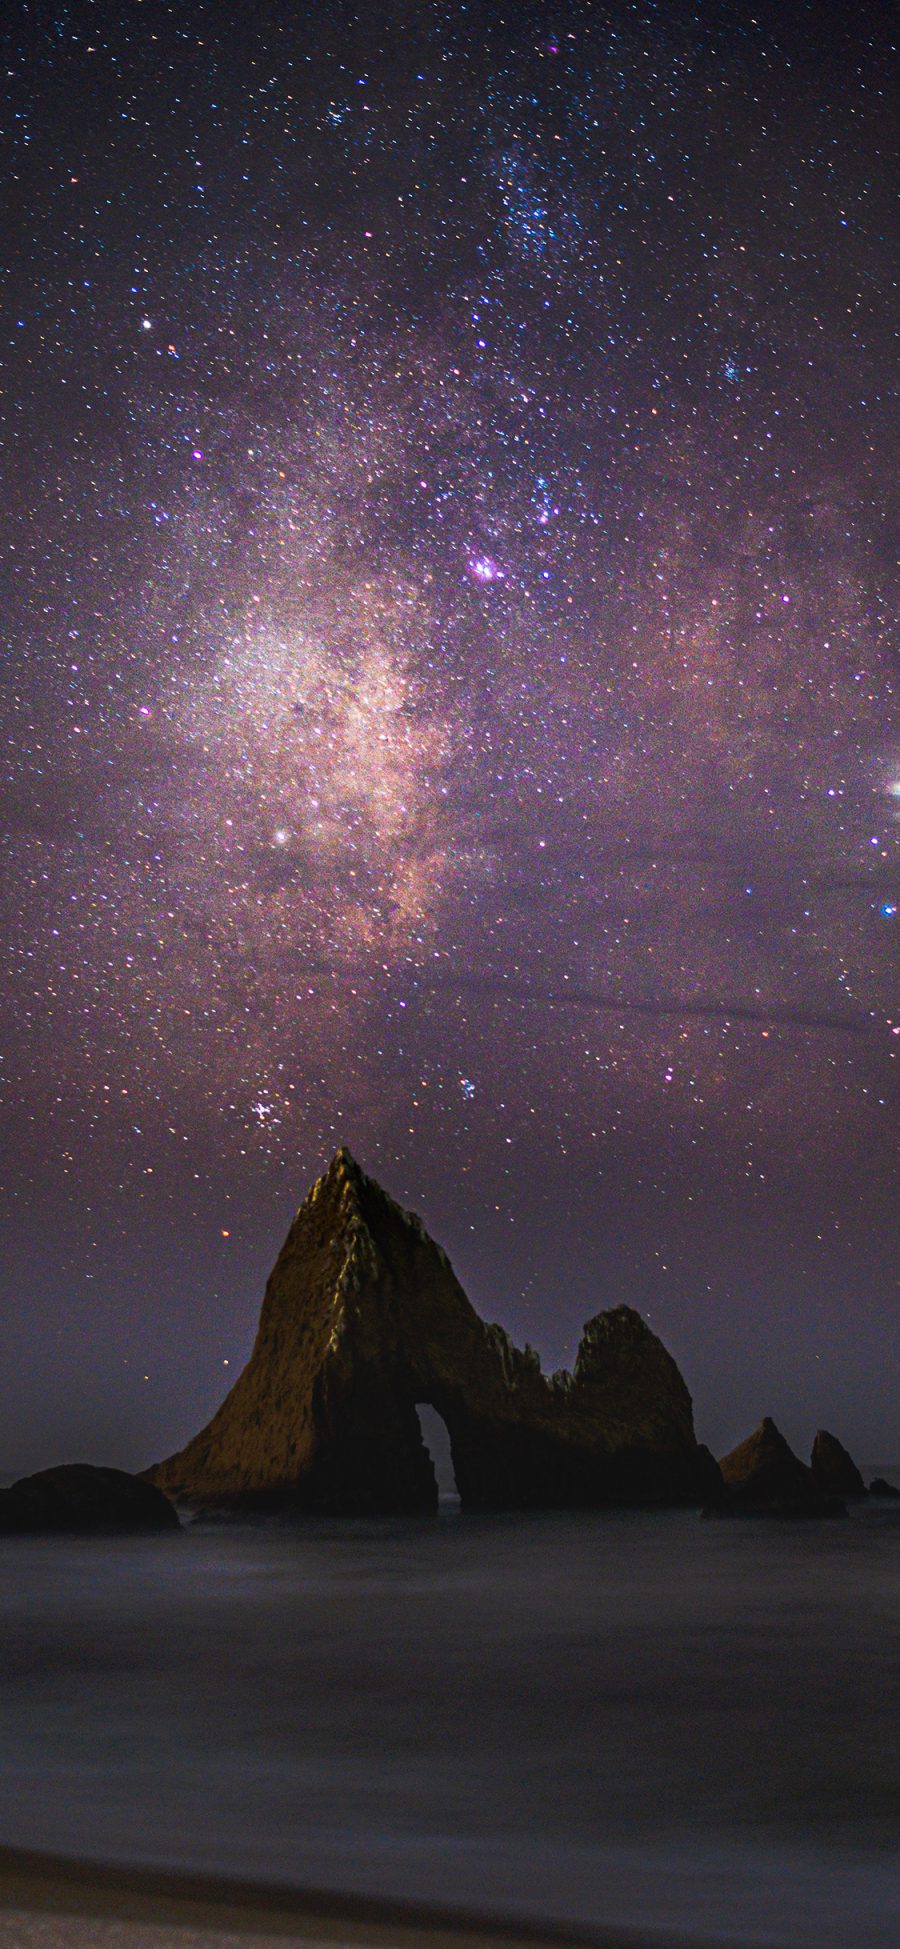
(448, 702)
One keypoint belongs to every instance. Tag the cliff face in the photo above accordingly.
(362, 1319)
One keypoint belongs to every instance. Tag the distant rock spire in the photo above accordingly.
(834, 1471)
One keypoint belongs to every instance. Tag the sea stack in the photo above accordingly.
(763, 1477)
(363, 1318)
(835, 1472)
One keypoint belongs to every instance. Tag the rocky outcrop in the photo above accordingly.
(834, 1471)
(80, 1498)
(885, 1491)
(363, 1318)
(763, 1477)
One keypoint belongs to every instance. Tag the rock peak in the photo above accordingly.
(342, 1178)
(343, 1167)
(344, 1160)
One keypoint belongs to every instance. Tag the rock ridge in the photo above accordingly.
(763, 1477)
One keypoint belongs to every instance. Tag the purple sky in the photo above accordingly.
(447, 697)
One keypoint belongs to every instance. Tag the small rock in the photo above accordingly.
(80, 1498)
(879, 1487)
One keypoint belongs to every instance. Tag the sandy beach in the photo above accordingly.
(48, 1902)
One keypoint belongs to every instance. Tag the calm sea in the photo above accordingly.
(638, 1719)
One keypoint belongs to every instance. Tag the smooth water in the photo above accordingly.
(638, 1719)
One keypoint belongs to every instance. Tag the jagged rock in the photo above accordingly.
(834, 1471)
(884, 1490)
(763, 1477)
(78, 1497)
(362, 1319)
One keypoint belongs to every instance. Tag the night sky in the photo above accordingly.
(447, 699)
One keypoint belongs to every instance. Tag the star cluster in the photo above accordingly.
(449, 702)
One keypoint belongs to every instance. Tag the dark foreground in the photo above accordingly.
(49, 1903)
(618, 1728)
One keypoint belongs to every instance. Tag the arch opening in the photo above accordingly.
(436, 1436)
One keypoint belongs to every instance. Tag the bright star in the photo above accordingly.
(484, 569)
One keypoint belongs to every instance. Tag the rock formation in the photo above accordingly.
(362, 1319)
(885, 1491)
(79, 1498)
(834, 1471)
(763, 1477)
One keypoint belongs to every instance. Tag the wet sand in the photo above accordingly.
(48, 1902)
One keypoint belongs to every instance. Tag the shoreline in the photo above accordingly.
(64, 1888)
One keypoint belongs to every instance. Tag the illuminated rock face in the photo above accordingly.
(362, 1319)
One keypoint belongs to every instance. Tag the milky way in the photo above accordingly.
(449, 701)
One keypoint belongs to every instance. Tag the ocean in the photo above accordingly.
(631, 1719)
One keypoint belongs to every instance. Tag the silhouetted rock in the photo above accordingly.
(763, 1477)
(362, 1319)
(714, 1490)
(78, 1497)
(885, 1490)
(834, 1471)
